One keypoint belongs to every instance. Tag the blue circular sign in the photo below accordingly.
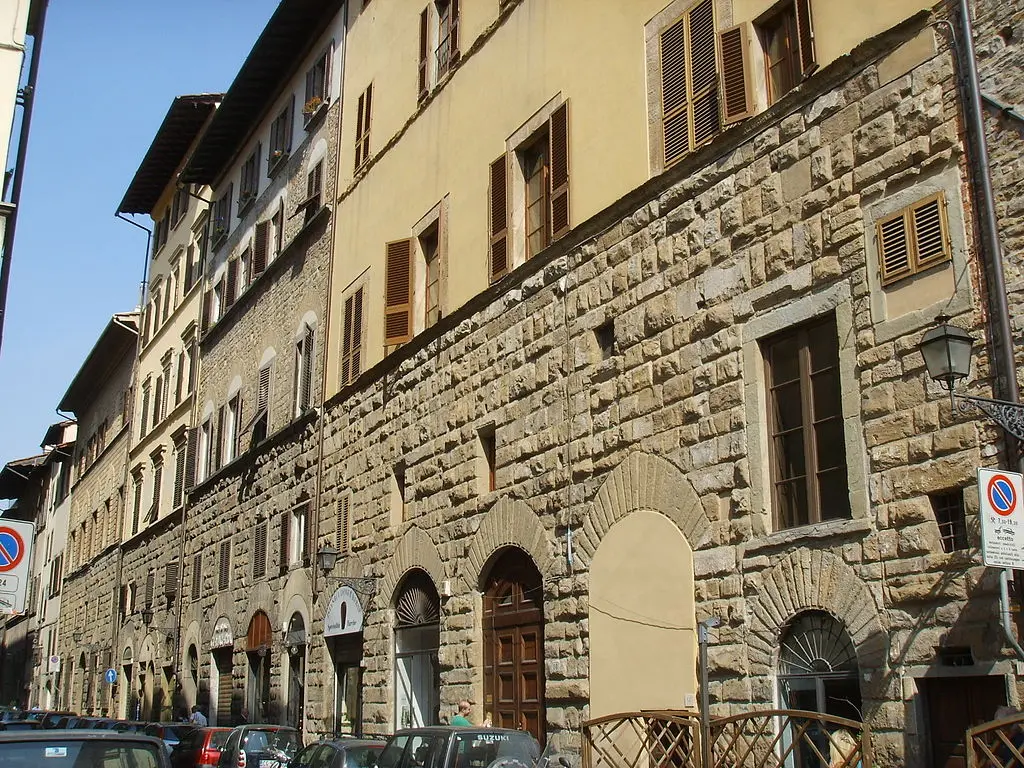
(12, 548)
(1001, 495)
(110, 676)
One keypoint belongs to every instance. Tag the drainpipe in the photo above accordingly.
(993, 258)
(27, 100)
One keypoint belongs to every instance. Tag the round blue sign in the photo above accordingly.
(110, 676)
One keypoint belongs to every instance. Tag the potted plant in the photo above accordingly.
(312, 106)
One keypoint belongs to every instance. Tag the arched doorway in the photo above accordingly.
(258, 642)
(126, 687)
(417, 637)
(818, 668)
(343, 630)
(514, 644)
(295, 642)
(84, 688)
(225, 707)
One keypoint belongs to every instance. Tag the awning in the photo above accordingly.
(344, 614)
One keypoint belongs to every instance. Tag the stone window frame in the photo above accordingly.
(948, 182)
(837, 300)
(437, 217)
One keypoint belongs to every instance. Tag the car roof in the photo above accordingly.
(456, 729)
(77, 735)
(350, 743)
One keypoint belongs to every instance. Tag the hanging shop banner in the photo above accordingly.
(344, 614)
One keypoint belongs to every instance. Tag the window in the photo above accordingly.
(229, 432)
(807, 446)
(179, 206)
(259, 548)
(171, 575)
(399, 511)
(224, 576)
(249, 184)
(261, 420)
(536, 171)
(230, 285)
(221, 217)
(204, 449)
(160, 231)
(158, 487)
(604, 336)
(277, 232)
(180, 455)
(280, 138)
(217, 306)
(913, 239)
(137, 499)
(352, 338)
(818, 670)
(145, 408)
(363, 126)
(316, 87)
(343, 525)
(196, 257)
(304, 371)
(158, 401)
(487, 474)
(951, 518)
(244, 270)
(295, 534)
(689, 82)
(193, 358)
(56, 574)
(314, 189)
(165, 366)
(150, 584)
(398, 292)
(260, 248)
(788, 45)
(447, 52)
(197, 575)
(430, 247)
(168, 295)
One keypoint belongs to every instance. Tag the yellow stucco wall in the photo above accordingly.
(543, 51)
(643, 641)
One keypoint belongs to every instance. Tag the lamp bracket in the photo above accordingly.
(1009, 416)
(363, 586)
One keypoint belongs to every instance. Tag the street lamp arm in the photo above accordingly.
(1009, 416)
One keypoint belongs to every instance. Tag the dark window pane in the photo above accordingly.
(830, 448)
(792, 462)
(825, 387)
(822, 340)
(833, 497)
(788, 407)
(791, 499)
(784, 360)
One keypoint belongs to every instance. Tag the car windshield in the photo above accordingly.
(60, 753)
(480, 749)
(261, 741)
(218, 739)
(361, 757)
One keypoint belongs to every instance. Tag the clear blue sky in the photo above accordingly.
(108, 72)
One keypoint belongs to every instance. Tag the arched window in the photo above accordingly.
(417, 637)
(818, 667)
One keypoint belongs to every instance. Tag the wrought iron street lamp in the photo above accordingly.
(946, 350)
(326, 559)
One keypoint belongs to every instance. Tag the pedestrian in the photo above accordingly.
(462, 718)
(198, 717)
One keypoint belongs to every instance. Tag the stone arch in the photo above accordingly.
(809, 579)
(415, 550)
(645, 481)
(509, 523)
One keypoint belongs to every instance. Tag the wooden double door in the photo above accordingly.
(514, 645)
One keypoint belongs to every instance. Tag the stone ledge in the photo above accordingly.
(805, 534)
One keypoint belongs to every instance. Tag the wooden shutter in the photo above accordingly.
(343, 523)
(357, 333)
(805, 37)
(190, 459)
(260, 247)
(217, 440)
(207, 310)
(453, 35)
(307, 533)
(284, 548)
(893, 248)
(259, 558)
(398, 292)
(707, 120)
(197, 575)
(306, 373)
(675, 106)
(498, 214)
(179, 474)
(359, 129)
(231, 287)
(558, 137)
(424, 52)
(171, 579)
(263, 390)
(930, 238)
(737, 102)
(224, 577)
(150, 581)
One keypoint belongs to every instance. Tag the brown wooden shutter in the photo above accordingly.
(359, 129)
(231, 287)
(707, 120)
(180, 464)
(307, 533)
(283, 551)
(150, 582)
(737, 101)
(424, 52)
(346, 344)
(675, 103)
(260, 247)
(558, 136)
(259, 557)
(893, 248)
(930, 237)
(398, 292)
(366, 122)
(453, 35)
(207, 311)
(805, 37)
(224, 580)
(218, 440)
(190, 459)
(263, 390)
(306, 374)
(357, 333)
(171, 576)
(197, 575)
(342, 530)
(498, 213)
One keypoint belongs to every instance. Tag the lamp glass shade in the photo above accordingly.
(147, 616)
(327, 558)
(946, 350)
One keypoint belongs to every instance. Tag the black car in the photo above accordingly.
(20, 725)
(459, 747)
(349, 753)
(169, 733)
(260, 746)
(80, 748)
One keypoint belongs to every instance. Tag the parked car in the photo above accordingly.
(81, 749)
(47, 717)
(200, 748)
(20, 725)
(348, 753)
(129, 726)
(169, 733)
(260, 746)
(459, 747)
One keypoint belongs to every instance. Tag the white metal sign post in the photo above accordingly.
(1002, 518)
(15, 560)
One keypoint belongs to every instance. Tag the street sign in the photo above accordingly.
(110, 676)
(1002, 518)
(54, 664)
(15, 560)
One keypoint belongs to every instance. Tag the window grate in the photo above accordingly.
(951, 518)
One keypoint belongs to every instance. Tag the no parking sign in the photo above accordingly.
(15, 546)
(1002, 518)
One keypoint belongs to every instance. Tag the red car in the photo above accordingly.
(200, 748)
